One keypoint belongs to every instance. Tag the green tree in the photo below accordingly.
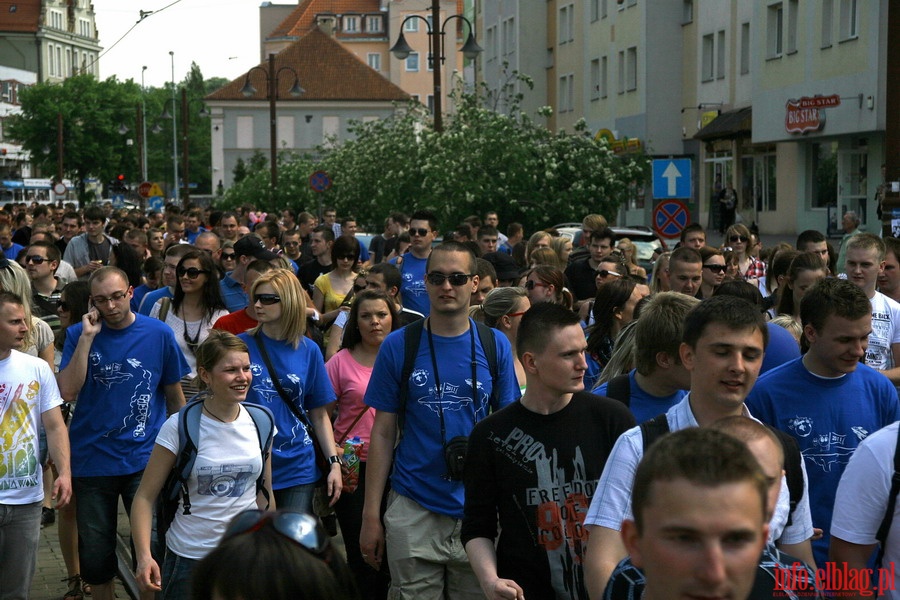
(92, 112)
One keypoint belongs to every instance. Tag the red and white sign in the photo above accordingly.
(144, 189)
(798, 119)
(820, 101)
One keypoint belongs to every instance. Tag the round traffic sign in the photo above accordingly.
(319, 181)
(59, 188)
(670, 217)
(144, 189)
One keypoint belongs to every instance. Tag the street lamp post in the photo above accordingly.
(174, 132)
(401, 49)
(272, 83)
(185, 138)
(142, 127)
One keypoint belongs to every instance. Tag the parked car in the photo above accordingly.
(645, 240)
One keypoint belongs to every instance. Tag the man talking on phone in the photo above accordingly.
(124, 371)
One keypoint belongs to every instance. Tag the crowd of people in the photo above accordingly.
(493, 414)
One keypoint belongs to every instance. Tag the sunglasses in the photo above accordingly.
(738, 238)
(716, 268)
(516, 314)
(347, 257)
(531, 284)
(62, 305)
(604, 273)
(301, 528)
(38, 260)
(266, 299)
(455, 279)
(419, 231)
(228, 255)
(192, 273)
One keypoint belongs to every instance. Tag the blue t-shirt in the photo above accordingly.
(419, 467)
(150, 299)
(233, 294)
(122, 404)
(828, 418)
(782, 348)
(302, 375)
(138, 295)
(413, 294)
(13, 251)
(641, 404)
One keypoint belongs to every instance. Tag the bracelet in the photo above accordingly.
(332, 460)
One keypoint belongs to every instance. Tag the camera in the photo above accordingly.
(226, 481)
(455, 457)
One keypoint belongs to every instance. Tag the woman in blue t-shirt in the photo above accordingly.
(289, 378)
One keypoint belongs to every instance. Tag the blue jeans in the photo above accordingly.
(20, 530)
(298, 497)
(96, 514)
(176, 576)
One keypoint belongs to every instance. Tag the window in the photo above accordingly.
(706, 65)
(595, 10)
(849, 19)
(509, 36)
(792, 16)
(604, 74)
(59, 63)
(720, 55)
(284, 131)
(56, 20)
(244, 130)
(412, 62)
(351, 24)
(490, 35)
(621, 88)
(687, 12)
(774, 39)
(50, 64)
(603, 9)
(631, 69)
(827, 22)
(632, 2)
(566, 93)
(373, 24)
(745, 48)
(411, 26)
(373, 59)
(430, 103)
(331, 128)
(595, 79)
(84, 28)
(566, 23)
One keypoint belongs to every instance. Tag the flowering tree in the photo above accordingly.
(482, 161)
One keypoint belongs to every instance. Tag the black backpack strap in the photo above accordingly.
(489, 347)
(885, 528)
(412, 333)
(654, 429)
(793, 469)
(619, 388)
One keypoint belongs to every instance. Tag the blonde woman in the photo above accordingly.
(629, 253)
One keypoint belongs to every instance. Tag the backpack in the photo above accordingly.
(412, 335)
(658, 426)
(175, 486)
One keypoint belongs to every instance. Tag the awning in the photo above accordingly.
(729, 124)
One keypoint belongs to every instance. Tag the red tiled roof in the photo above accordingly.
(303, 18)
(327, 71)
(20, 15)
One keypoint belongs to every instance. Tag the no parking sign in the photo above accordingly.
(670, 217)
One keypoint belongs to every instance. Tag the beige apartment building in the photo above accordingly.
(784, 99)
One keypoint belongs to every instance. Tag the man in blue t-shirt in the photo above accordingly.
(422, 230)
(659, 380)
(443, 403)
(124, 370)
(828, 400)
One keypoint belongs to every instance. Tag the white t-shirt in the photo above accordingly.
(885, 331)
(27, 389)
(198, 330)
(222, 483)
(862, 496)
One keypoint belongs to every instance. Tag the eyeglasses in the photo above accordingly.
(419, 231)
(738, 238)
(455, 279)
(192, 272)
(228, 255)
(531, 284)
(300, 528)
(516, 314)
(38, 260)
(716, 268)
(62, 305)
(604, 273)
(115, 297)
(266, 299)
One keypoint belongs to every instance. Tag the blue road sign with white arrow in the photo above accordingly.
(671, 178)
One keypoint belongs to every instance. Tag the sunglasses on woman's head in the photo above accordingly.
(301, 528)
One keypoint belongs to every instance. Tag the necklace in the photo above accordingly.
(191, 341)
(215, 416)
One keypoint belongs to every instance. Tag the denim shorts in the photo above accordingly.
(176, 576)
(97, 517)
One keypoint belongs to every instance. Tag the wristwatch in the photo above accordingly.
(334, 460)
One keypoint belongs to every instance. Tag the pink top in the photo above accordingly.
(349, 380)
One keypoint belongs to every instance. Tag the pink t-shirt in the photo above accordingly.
(349, 380)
